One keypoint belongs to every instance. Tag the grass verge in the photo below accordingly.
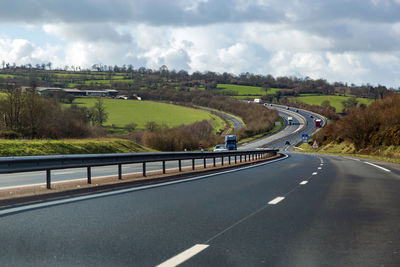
(10, 148)
(386, 154)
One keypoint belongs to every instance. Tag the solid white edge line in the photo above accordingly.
(276, 200)
(96, 195)
(304, 182)
(183, 256)
(377, 166)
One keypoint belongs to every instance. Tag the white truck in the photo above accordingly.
(290, 120)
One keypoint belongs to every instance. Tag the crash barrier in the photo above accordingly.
(49, 163)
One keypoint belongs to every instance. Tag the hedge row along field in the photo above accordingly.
(122, 112)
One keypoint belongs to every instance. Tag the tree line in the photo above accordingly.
(26, 114)
(367, 126)
(130, 78)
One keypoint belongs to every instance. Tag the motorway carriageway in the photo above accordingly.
(304, 210)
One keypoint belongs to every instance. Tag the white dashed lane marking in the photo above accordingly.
(183, 256)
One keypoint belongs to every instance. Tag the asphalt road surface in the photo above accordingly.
(237, 124)
(304, 210)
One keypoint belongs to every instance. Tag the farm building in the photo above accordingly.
(76, 92)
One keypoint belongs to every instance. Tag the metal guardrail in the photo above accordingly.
(48, 163)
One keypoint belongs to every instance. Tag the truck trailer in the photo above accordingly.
(230, 142)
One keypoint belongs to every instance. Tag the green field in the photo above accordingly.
(6, 76)
(122, 112)
(335, 101)
(244, 90)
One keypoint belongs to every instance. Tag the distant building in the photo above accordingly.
(76, 92)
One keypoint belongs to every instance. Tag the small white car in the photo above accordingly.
(219, 148)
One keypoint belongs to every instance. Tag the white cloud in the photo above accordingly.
(22, 51)
(354, 41)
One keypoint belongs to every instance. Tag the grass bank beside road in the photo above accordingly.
(10, 148)
(383, 153)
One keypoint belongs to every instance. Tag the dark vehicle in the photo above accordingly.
(287, 143)
(297, 110)
(311, 116)
(230, 142)
(287, 108)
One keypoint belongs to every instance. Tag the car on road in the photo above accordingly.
(220, 148)
(287, 108)
(297, 110)
(287, 143)
(311, 116)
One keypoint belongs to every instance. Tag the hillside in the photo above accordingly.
(335, 101)
(369, 130)
(123, 112)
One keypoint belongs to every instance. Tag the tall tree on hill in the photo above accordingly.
(98, 114)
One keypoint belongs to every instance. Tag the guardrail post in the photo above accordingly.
(214, 162)
(245, 158)
(240, 158)
(163, 167)
(119, 171)
(235, 159)
(222, 161)
(144, 169)
(48, 179)
(180, 165)
(205, 163)
(89, 175)
(229, 160)
(193, 164)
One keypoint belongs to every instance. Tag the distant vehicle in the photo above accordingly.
(311, 116)
(219, 148)
(257, 100)
(287, 143)
(297, 110)
(230, 142)
(290, 120)
(318, 123)
(287, 108)
(122, 97)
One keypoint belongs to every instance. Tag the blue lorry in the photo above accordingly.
(230, 142)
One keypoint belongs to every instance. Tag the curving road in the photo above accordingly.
(305, 210)
(237, 124)
(36, 178)
(302, 210)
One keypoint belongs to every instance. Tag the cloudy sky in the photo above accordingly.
(355, 41)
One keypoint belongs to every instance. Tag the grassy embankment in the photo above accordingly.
(69, 146)
(122, 112)
(335, 100)
(383, 153)
(244, 91)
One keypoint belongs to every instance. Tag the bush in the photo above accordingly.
(9, 134)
